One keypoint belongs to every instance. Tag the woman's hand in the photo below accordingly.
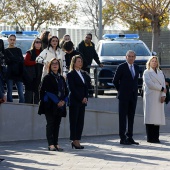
(61, 103)
(167, 84)
(84, 101)
(163, 99)
(164, 90)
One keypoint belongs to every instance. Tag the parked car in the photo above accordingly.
(112, 51)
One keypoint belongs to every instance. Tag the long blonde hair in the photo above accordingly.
(73, 61)
(149, 61)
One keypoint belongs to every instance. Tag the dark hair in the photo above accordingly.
(49, 42)
(89, 34)
(44, 38)
(33, 44)
(1, 46)
(12, 35)
(68, 46)
(49, 65)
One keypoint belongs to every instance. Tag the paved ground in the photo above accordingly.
(100, 153)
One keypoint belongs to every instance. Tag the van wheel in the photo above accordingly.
(100, 92)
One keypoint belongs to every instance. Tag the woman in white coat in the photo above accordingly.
(52, 51)
(153, 99)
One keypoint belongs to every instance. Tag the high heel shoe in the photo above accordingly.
(59, 149)
(76, 147)
(51, 149)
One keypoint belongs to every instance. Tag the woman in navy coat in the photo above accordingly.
(78, 92)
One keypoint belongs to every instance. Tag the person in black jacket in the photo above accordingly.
(53, 96)
(15, 68)
(33, 72)
(68, 48)
(87, 48)
(78, 94)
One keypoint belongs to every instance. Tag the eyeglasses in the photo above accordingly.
(88, 38)
(54, 63)
(38, 42)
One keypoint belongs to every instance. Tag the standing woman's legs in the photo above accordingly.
(50, 128)
(80, 122)
(73, 116)
(20, 89)
(57, 121)
(9, 90)
(156, 134)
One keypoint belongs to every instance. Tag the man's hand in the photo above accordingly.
(101, 65)
(84, 101)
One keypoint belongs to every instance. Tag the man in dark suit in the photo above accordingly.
(126, 83)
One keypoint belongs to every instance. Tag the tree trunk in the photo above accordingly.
(155, 36)
(32, 27)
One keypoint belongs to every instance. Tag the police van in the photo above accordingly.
(112, 51)
(24, 39)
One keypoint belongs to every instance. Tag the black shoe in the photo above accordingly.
(1, 160)
(51, 149)
(59, 149)
(132, 141)
(76, 147)
(154, 141)
(125, 142)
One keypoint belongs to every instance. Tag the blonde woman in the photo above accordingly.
(52, 51)
(78, 97)
(153, 99)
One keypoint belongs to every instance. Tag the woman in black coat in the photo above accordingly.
(78, 92)
(53, 96)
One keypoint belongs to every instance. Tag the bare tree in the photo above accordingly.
(90, 9)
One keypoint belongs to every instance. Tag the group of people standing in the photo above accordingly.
(54, 75)
(154, 92)
(59, 73)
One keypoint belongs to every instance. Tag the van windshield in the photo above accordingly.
(120, 49)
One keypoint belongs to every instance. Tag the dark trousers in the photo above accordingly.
(152, 132)
(126, 117)
(76, 117)
(31, 97)
(52, 128)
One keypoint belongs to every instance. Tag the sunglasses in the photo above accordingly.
(54, 63)
(38, 42)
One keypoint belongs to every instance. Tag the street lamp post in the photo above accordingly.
(100, 20)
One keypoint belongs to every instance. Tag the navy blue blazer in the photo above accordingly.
(77, 88)
(125, 84)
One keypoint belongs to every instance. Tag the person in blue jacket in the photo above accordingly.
(53, 96)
